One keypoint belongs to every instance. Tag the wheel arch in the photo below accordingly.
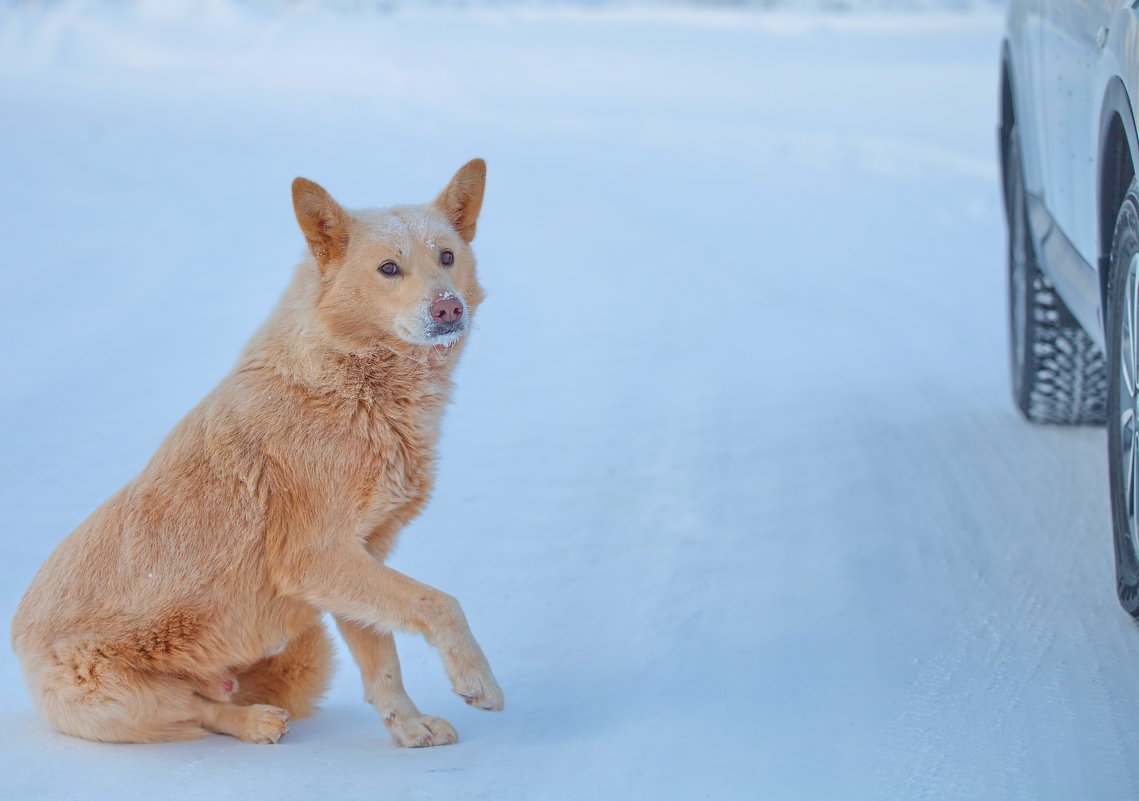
(1008, 115)
(1117, 160)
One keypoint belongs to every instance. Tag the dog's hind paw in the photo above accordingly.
(421, 731)
(264, 724)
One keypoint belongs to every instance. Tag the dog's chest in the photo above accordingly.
(400, 467)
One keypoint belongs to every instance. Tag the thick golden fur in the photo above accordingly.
(190, 601)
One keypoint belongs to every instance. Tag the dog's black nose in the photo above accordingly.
(447, 310)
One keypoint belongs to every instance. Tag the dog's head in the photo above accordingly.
(404, 274)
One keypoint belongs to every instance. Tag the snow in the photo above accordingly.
(732, 490)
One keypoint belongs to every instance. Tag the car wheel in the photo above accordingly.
(1058, 373)
(1123, 398)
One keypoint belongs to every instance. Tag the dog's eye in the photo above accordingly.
(389, 268)
(447, 258)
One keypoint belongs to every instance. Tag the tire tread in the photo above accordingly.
(1068, 381)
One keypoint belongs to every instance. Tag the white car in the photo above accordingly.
(1068, 151)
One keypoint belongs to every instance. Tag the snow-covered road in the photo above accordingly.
(732, 490)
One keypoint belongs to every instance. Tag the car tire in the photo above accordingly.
(1123, 397)
(1058, 373)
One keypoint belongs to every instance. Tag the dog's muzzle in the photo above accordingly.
(448, 316)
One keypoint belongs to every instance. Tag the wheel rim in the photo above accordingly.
(1129, 395)
(1018, 275)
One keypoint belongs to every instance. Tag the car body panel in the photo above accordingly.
(1022, 63)
(1072, 60)
(1075, 279)
(1073, 67)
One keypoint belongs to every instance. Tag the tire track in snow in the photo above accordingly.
(1011, 656)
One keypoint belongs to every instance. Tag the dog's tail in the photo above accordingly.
(295, 678)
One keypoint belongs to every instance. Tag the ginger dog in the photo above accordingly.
(190, 601)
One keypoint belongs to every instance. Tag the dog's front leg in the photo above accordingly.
(347, 582)
(375, 653)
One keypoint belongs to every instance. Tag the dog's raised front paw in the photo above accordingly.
(264, 724)
(421, 731)
(481, 692)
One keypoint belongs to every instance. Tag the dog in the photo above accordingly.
(190, 602)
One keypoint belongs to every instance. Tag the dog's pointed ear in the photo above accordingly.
(461, 201)
(323, 221)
